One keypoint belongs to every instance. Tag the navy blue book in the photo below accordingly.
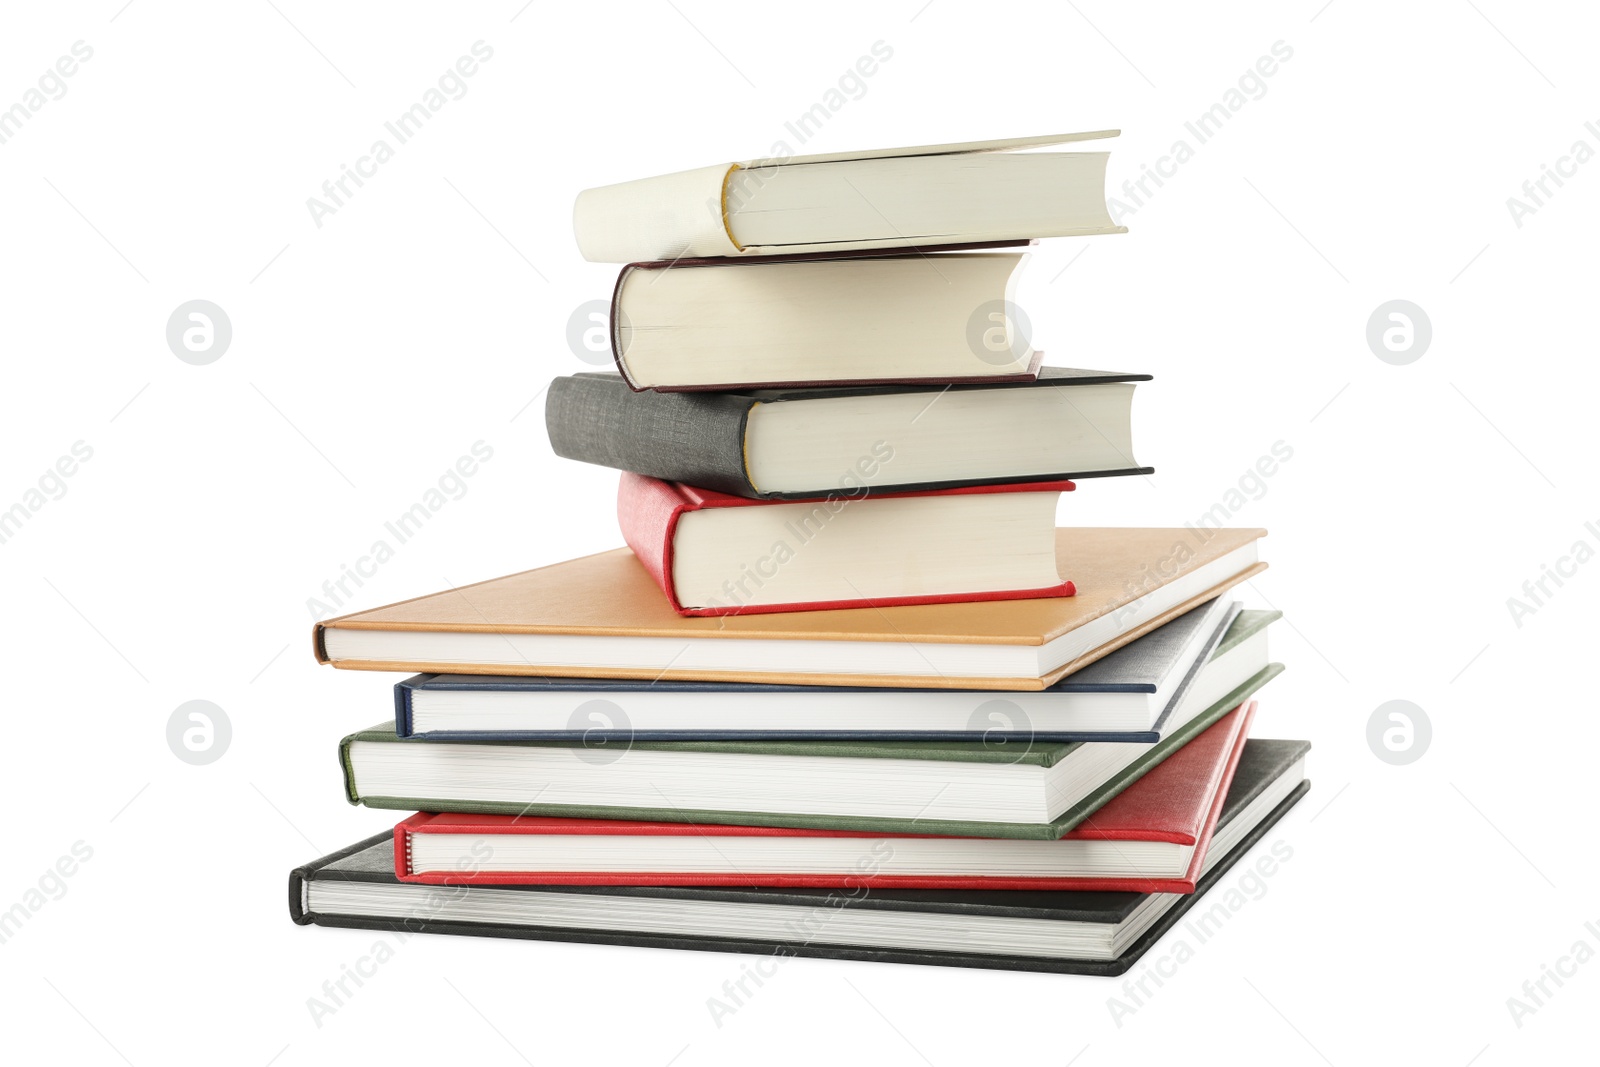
(1127, 696)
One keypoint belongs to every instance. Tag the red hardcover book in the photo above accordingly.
(1150, 838)
(849, 550)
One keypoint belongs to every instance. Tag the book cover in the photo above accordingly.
(1177, 802)
(685, 214)
(700, 438)
(611, 595)
(648, 511)
(656, 308)
(1138, 667)
(369, 864)
(1035, 755)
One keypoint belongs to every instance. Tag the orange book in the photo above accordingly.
(603, 616)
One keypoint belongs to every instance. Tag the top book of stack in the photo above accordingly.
(973, 195)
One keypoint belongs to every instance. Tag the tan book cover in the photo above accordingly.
(611, 595)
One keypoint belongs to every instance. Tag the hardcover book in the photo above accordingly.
(1021, 790)
(603, 616)
(714, 554)
(1150, 838)
(1068, 932)
(808, 443)
(796, 321)
(1128, 696)
(927, 196)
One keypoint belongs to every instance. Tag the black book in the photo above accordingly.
(799, 443)
(1062, 932)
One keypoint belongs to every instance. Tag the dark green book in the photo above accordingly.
(1011, 789)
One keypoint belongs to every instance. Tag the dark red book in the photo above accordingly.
(1150, 838)
(715, 554)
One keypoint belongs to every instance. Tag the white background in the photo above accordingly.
(427, 312)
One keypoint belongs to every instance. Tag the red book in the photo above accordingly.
(714, 554)
(1150, 838)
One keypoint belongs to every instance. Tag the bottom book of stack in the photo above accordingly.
(1064, 931)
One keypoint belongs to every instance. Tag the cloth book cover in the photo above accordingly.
(1178, 802)
(368, 865)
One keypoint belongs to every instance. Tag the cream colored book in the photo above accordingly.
(980, 192)
(821, 322)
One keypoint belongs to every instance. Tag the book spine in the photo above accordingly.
(347, 769)
(647, 513)
(614, 328)
(694, 438)
(402, 843)
(402, 708)
(297, 896)
(667, 217)
(301, 876)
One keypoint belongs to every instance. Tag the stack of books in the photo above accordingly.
(848, 692)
